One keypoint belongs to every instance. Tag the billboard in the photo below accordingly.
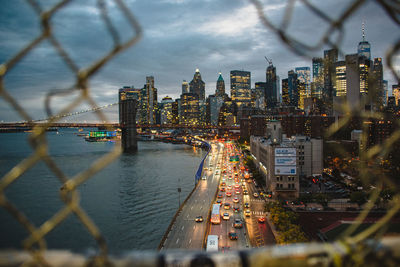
(285, 152)
(285, 161)
(285, 170)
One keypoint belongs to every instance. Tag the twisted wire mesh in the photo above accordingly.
(35, 242)
(370, 173)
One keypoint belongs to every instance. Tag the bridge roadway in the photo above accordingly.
(186, 233)
(114, 125)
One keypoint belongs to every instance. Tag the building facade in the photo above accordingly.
(283, 160)
(241, 87)
(197, 86)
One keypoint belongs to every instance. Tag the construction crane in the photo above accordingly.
(268, 60)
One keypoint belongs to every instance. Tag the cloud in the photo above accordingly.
(179, 36)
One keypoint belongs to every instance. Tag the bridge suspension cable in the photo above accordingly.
(75, 113)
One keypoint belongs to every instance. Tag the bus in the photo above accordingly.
(215, 217)
(212, 243)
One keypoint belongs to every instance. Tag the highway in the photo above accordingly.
(224, 179)
(230, 189)
(186, 233)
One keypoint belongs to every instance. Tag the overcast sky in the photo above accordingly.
(179, 36)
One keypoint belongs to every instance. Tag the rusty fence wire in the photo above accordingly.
(371, 173)
(35, 242)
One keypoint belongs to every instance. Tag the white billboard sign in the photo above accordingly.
(285, 170)
(285, 161)
(285, 152)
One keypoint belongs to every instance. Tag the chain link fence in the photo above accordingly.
(35, 244)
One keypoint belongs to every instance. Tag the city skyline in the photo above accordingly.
(172, 48)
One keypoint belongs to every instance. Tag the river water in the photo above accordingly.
(132, 201)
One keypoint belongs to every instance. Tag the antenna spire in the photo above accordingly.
(363, 30)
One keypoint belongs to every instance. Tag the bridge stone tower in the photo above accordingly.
(127, 121)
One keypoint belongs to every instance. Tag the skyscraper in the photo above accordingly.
(341, 89)
(189, 109)
(259, 96)
(197, 86)
(385, 92)
(330, 58)
(271, 90)
(151, 99)
(396, 93)
(220, 88)
(293, 88)
(352, 79)
(166, 110)
(364, 48)
(318, 77)
(241, 87)
(285, 92)
(185, 87)
(376, 86)
(304, 89)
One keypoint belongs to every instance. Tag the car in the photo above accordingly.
(236, 209)
(255, 195)
(228, 194)
(236, 200)
(245, 192)
(238, 223)
(222, 189)
(225, 216)
(233, 236)
(246, 205)
(237, 192)
(219, 202)
(223, 184)
(199, 219)
(205, 168)
(261, 220)
(247, 213)
(237, 186)
(227, 206)
(204, 177)
(229, 187)
(219, 196)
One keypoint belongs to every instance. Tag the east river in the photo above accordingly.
(132, 200)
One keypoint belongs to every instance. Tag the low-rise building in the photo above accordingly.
(283, 160)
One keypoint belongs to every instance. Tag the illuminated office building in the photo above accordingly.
(341, 89)
(285, 92)
(190, 109)
(197, 86)
(241, 87)
(272, 89)
(304, 84)
(330, 59)
(166, 110)
(220, 88)
(318, 77)
(151, 100)
(376, 81)
(185, 87)
(293, 88)
(385, 92)
(396, 93)
(364, 47)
